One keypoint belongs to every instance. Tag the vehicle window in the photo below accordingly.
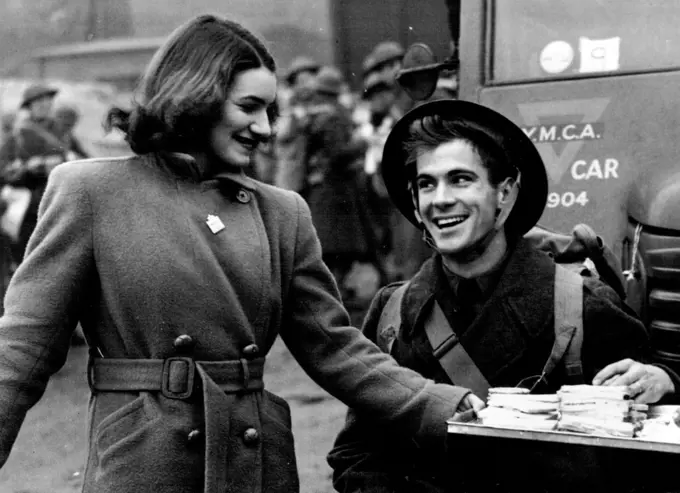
(561, 38)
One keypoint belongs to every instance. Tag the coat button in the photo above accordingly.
(243, 196)
(184, 342)
(251, 436)
(251, 351)
(195, 436)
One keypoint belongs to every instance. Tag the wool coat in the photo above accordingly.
(122, 246)
(510, 340)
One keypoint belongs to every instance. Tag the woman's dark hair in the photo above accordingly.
(184, 87)
(429, 132)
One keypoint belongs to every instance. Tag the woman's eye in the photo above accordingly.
(248, 108)
(422, 185)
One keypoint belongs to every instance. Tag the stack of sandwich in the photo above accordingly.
(517, 408)
(599, 410)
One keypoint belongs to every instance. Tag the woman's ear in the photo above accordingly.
(507, 193)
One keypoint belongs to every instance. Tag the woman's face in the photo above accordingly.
(245, 119)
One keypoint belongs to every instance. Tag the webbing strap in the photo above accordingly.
(569, 318)
(452, 356)
(390, 319)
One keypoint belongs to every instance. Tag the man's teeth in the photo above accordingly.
(452, 221)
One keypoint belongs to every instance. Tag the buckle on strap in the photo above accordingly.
(177, 379)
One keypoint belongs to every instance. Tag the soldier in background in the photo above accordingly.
(66, 118)
(31, 151)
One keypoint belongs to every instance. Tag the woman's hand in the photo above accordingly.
(647, 383)
(468, 408)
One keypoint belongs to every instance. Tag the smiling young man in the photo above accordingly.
(475, 184)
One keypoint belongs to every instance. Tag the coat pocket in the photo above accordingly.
(145, 442)
(120, 424)
(279, 464)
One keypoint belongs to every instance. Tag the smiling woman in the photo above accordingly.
(182, 272)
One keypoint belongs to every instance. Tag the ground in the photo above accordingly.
(50, 450)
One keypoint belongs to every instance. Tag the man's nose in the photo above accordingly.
(443, 195)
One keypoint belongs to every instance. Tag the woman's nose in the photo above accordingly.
(262, 126)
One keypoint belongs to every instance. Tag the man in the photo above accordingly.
(475, 184)
(29, 154)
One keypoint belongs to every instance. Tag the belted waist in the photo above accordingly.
(174, 377)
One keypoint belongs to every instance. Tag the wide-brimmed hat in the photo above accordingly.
(36, 91)
(329, 81)
(300, 64)
(384, 52)
(518, 148)
(376, 82)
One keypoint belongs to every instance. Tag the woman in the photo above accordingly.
(182, 271)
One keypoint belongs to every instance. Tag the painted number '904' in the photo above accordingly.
(567, 199)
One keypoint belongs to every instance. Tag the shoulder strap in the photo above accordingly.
(569, 319)
(390, 319)
(452, 356)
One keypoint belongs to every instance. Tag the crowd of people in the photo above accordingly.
(328, 147)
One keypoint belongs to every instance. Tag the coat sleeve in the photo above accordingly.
(366, 457)
(348, 365)
(42, 300)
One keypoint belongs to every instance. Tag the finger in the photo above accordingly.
(633, 374)
(612, 370)
(464, 404)
(477, 403)
(649, 394)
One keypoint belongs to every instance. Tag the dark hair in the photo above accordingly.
(429, 132)
(184, 87)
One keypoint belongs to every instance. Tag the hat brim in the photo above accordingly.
(50, 93)
(521, 153)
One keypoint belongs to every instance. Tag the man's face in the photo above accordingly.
(382, 100)
(41, 107)
(456, 201)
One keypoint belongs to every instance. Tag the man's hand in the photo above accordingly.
(647, 383)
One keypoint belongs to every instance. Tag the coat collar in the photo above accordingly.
(183, 165)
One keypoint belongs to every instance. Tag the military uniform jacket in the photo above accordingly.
(509, 340)
(123, 247)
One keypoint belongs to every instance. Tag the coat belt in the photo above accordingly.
(222, 383)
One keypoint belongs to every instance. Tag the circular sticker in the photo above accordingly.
(556, 57)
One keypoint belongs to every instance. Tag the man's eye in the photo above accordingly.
(460, 180)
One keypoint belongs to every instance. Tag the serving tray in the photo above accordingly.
(476, 429)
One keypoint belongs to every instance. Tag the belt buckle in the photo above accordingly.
(166, 377)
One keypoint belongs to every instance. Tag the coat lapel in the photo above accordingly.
(519, 310)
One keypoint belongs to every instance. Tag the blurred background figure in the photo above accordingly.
(332, 170)
(301, 72)
(384, 60)
(27, 155)
(290, 140)
(65, 120)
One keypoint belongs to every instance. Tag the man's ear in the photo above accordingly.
(416, 208)
(507, 193)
